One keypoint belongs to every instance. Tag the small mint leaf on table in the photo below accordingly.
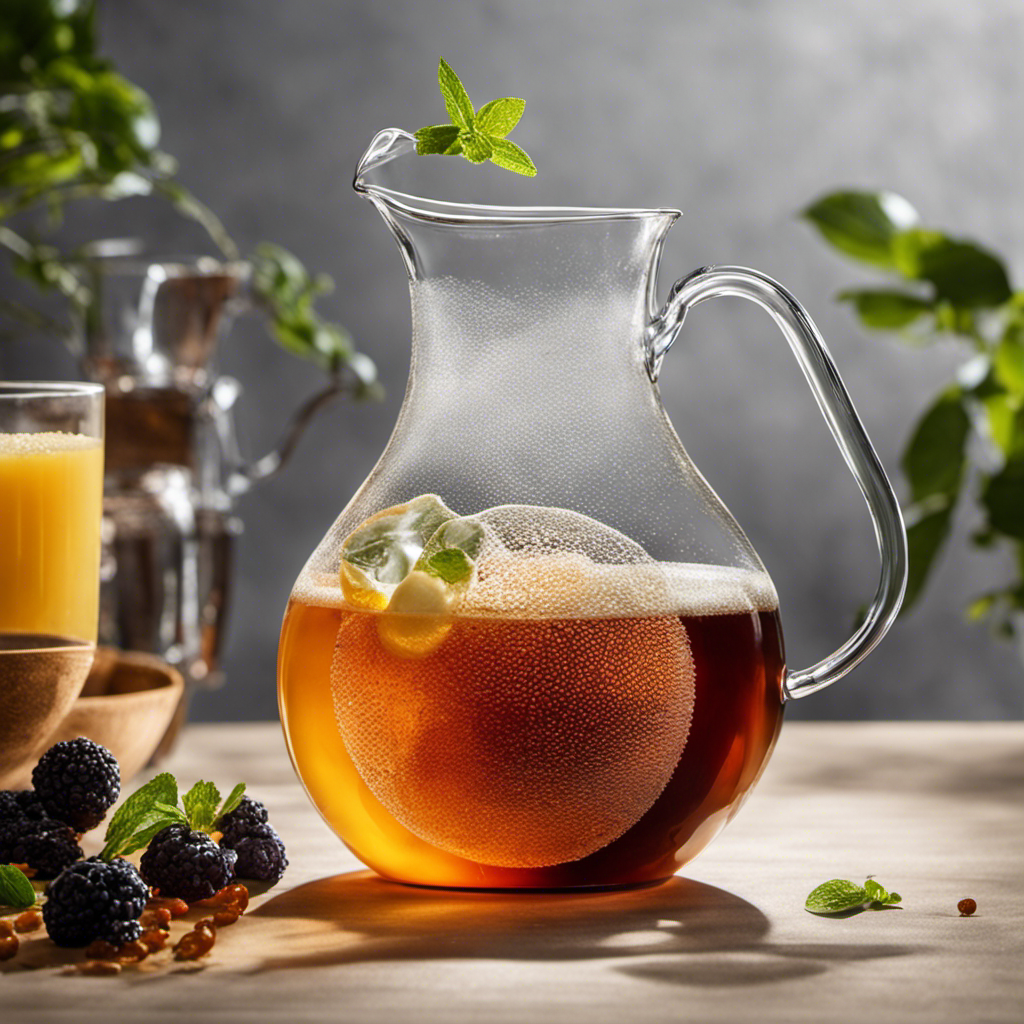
(840, 894)
(835, 896)
(456, 99)
(15, 889)
(201, 803)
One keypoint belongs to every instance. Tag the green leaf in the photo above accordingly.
(1004, 414)
(436, 138)
(160, 816)
(835, 896)
(934, 458)
(453, 566)
(874, 890)
(884, 308)
(389, 543)
(1008, 362)
(1003, 499)
(456, 99)
(234, 798)
(862, 224)
(476, 148)
(964, 274)
(138, 812)
(508, 155)
(452, 549)
(201, 803)
(499, 117)
(15, 889)
(980, 607)
(926, 533)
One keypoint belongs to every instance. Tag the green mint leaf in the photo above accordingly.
(456, 99)
(452, 550)
(201, 803)
(894, 897)
(15, 889)
(835, 896)
(234, 798)
(885, 308)
(159, 817)
(453, 566)
(436, 138)
(137, 811)
(499, 117)
(875, 891)
(476, 148)
(508, 155)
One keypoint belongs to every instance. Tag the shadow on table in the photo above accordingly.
(684, 931)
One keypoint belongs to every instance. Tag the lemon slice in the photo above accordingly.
(361, 590)
(418, 616)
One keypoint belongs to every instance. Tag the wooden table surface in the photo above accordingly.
(935, 811)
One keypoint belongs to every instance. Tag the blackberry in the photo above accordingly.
(261, 854)
(77, 781)
(95, 900)
(242, 819)
(189, 865)
(45, 845)
(20, 803)
(170, 832)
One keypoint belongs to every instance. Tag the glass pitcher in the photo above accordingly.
(536, 651)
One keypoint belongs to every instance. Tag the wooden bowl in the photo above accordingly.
(127, 703)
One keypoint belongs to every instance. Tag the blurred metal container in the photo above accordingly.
(173, 466)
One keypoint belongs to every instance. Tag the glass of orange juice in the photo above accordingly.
(51, 505)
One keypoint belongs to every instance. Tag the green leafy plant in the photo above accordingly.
(154, 806)
(73, 128)
(478, 135)
(969, 444)
(839, 895)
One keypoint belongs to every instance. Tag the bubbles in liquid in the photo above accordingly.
(551, 716)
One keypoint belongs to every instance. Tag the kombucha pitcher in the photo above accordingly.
(535, 650)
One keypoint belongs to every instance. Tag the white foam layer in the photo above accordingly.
(46, 443)
(565, 587)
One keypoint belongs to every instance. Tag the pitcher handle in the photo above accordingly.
(835, 405)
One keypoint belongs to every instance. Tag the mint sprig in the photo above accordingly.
(154, 806)
(15, 889)
(840, 895)
(476, 135)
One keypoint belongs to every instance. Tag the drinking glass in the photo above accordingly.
(51, 501)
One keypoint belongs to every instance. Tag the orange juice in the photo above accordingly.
(51, 496)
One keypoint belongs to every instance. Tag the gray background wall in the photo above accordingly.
(739, 112)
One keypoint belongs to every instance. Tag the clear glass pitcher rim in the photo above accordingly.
(392, 142)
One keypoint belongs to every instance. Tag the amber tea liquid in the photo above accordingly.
(535, 753)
